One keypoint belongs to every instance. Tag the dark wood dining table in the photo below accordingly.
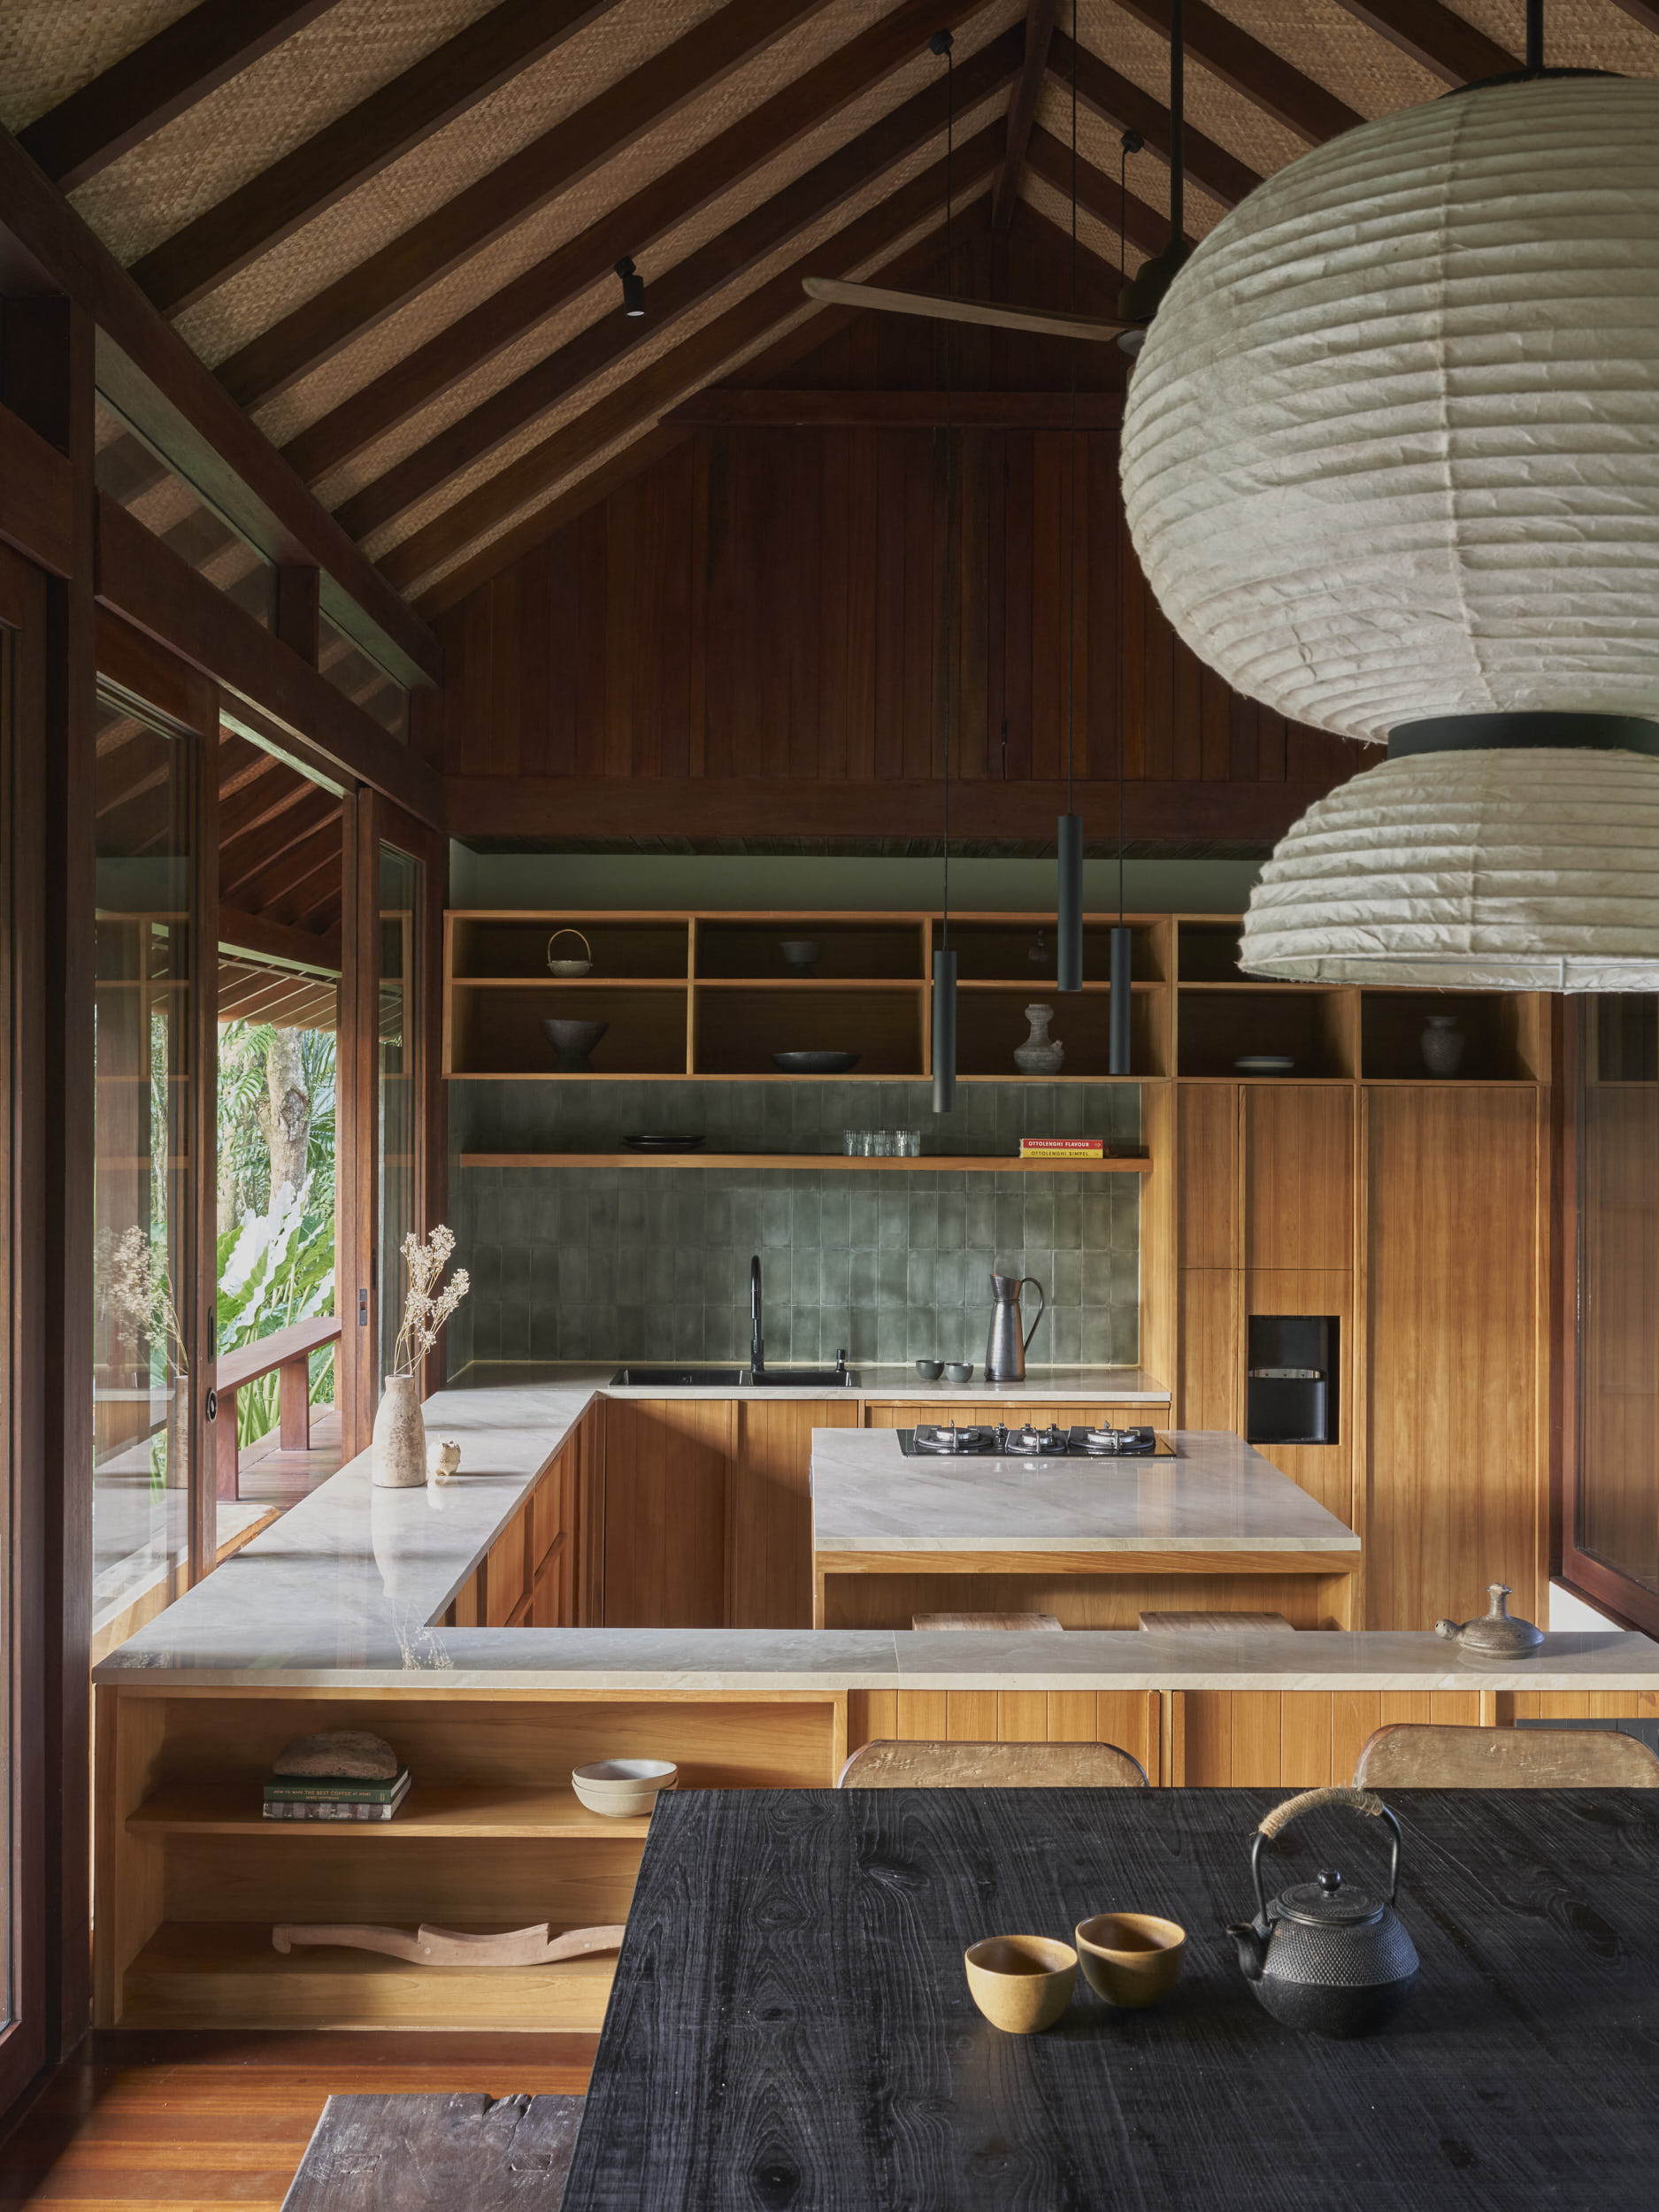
(790, 2029)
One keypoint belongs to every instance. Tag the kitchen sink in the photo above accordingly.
(730, 1379)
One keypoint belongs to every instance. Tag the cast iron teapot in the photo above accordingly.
(1323, 1957)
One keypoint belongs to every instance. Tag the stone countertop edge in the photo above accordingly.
(886, 1384)
(340, 1593)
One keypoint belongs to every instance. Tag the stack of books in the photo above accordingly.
(1063, 1147)
(334, 1797)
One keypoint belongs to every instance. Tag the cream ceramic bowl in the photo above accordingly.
(1129, 1958)
(1021, 1982)
(623, 1788)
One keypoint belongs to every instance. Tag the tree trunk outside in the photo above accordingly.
(285, 1115)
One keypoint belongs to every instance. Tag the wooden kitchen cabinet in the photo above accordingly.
(668, 1463)
(1296, 1155)
(769, 1526)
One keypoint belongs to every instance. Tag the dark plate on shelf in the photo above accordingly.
(816, 1062)
(665, 1140)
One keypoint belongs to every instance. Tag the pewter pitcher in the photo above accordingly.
(1005, 1347)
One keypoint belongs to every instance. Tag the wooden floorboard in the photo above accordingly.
(207, 2121)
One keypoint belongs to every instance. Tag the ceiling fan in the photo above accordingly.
(1136, 303)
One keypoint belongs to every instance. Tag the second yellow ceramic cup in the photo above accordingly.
(1129, 1958)
(1021, 1982)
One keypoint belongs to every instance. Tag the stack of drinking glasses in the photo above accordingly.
(882, 1144)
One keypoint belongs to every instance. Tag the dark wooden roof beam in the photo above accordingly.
(255, 851)
(1441, 42)
(168, 74)
(1022, 109)
(276, 884)
(1211, 167)
(265, 939)
(537, 294)
(1145, 228)
(1253, 69)
(643, 397)
(807, 199)
(484, 210)
(357, 145)
(765, 407)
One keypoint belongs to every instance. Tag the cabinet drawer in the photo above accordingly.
(506, 1579)
(547, 1502)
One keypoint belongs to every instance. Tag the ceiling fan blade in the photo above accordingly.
(1049, 321)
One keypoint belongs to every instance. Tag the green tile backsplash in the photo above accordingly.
(652, 1262)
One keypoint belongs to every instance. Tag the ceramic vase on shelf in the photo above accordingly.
(1041, 1054)
(400, 1437)
(1442, 1045)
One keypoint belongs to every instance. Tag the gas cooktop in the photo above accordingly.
(995, 1440)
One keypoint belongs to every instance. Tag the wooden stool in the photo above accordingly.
(1441, 1755)
(433, 2153)
(985, 1620)
(1213, 1623)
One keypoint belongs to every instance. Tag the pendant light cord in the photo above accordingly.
(1123, 533)
(943, 40)
(1070, 596)
(1534, 38)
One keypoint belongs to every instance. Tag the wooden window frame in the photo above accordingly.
(1624, 1601)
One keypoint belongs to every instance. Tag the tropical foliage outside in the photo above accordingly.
(276, 1199)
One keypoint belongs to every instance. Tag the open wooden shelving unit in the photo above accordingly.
(970, 1162)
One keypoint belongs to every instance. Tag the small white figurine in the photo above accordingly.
(445, 1460)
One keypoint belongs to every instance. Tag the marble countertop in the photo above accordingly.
(341, 1595)
(888, 1384)
(1217, 1495)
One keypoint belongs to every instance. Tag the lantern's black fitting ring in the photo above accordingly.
(1491, 732)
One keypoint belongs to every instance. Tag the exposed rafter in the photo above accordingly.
(1253, 69)
(1217, 171)
(532, 298)
(683, 367)
(651, 445)
(484, 210)
(357, 145)
(1443, 44)
(807, 199)
(1022, 108)
(1098, 194)
(168, 74)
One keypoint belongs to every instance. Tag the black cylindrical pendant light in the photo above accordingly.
(944, 1031)
(1070, 929)
(1118, 1029)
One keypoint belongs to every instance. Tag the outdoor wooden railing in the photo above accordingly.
(288, 1353)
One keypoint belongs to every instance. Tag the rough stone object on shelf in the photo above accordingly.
(340, 1754)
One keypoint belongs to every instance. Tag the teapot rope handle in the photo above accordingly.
(1274, 1823)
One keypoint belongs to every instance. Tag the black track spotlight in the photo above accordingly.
(633, 287)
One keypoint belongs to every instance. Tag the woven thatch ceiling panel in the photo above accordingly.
(1578, 34)
(1097, 238)
(262, 114)
(1099, 143)
(1336, 49)
(50, 47)
(1137, 53)
(479, 142)
(761, 275)
(686, 238)
(572, 213)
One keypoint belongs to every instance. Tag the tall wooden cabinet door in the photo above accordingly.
(1298, 1175)
(1325, 1470)
(769, 1543)
(1212, 1349)
(666, 1465)
(1207, 1201)
(1456, 1352)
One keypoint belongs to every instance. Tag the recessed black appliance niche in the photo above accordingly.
(1291, 1393)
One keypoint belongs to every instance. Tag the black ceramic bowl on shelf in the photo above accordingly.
(665, 1140)
(816, 1062)
(572, 1042)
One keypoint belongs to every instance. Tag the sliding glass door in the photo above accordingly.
(396, 1096)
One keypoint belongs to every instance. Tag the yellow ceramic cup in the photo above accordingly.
(1021, 1982)
(1130, 1958)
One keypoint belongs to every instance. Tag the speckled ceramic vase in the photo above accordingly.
(400, 1437)
(1041, 1054)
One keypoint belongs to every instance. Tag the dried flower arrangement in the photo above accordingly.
(425, 1306)
(132, 1285)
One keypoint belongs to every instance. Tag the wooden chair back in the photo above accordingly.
(1437, 1755)
(991, 1766)
(1049, 1624)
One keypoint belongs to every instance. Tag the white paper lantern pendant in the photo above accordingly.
(1391, 464)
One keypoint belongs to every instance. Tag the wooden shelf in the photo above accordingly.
(232, 1809)
(215, 1973)
(940, 1163)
